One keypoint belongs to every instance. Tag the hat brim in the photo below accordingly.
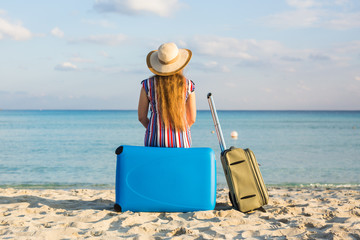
(161, 69)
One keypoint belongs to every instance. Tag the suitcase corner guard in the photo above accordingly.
(119, 150)
(117, 207)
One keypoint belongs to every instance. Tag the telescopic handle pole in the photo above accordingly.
(216, 122)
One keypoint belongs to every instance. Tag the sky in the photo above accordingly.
(252, 55)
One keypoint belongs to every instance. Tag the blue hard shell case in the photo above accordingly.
(154, 179)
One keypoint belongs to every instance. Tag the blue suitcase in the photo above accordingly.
(153, 179)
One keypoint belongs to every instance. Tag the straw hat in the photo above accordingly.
(168, 59)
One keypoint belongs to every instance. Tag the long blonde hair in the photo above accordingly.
(170, 92)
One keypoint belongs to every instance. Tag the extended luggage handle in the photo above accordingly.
(216, 122)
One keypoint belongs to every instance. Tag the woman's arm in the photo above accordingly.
(191, 109)
(143, 108)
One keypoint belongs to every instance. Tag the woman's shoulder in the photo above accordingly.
(189, 81)
(147, 80)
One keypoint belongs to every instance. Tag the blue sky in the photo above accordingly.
(252, 55)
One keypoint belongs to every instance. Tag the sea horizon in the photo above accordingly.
(75, 148)
(245, 110)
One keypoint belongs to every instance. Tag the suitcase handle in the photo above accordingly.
(216, 122)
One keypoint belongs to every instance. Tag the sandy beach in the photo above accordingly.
(292, 213)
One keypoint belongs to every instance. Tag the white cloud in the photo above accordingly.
(338, 14)
(13, 30)
(213, 53)
(211, 66)
(341, 2)
(222, 47)
(245, 49)
(66, 66)
(57, 32)
(347, 48)
(357, 78)
(302, 3)
(342, 21)
(81, 60)
(110, 39)
(114, 69)
(294, 18)
(163, 8)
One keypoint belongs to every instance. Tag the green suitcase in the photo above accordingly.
(247, 190)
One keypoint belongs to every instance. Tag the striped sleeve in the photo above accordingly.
(191, 86)
(144, 84)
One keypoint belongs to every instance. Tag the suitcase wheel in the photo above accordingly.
(117, 207)
(232, 202)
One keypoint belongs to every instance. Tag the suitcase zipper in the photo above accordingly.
(257, 176)
(230, 180)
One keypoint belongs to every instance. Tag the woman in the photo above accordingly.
(171, 98)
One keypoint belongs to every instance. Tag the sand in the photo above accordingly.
(292, 213)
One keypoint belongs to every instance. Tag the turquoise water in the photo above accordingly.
(76, 148)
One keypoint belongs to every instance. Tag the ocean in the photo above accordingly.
(76, 148)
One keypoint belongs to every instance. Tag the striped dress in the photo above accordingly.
(157, 135)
